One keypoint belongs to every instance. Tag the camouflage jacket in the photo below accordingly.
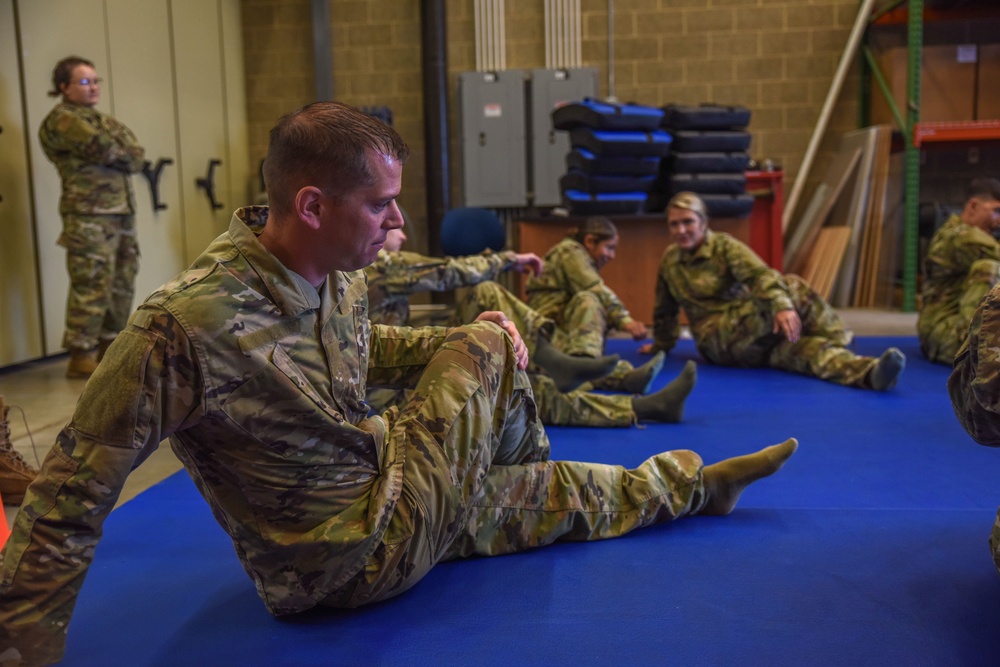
(394, 276)
(951, 253)
(569, 269)
(720, 280)
(259, 381)
(974, 383)
(94, 154)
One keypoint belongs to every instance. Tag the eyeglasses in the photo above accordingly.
(89, 82)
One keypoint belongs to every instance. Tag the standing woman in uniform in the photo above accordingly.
(571, 292)
(95, 154)
(744, 313)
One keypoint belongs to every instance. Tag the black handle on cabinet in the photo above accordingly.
(153, 176)
(208, 183)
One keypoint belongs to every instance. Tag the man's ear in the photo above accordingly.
(309, 205)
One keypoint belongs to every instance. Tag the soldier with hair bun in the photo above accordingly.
(95, 155)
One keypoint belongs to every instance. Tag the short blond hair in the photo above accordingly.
(689, 201)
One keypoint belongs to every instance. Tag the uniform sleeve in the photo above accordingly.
(666, 311)
(146, 387)
(131, 156)
(765, 283)
(404, 273)
(66, 132)
(974, 383)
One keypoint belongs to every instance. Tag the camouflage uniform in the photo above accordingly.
(974, 385)
(731, 296)
(961, 265)
(95, 154)
(571, 292)
(394, 276)
(259, 379)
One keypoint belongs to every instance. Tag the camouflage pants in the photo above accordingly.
(743, 336)
(943, 327)
(995, 542)
(554, 408)
(477, 479)
(102, 259)
(489, 295)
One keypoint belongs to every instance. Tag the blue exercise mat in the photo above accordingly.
(868, 548)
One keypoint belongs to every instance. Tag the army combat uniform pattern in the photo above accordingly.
(394, 277)
(94, 154)
(572, 293)
(961, 265)
(974, 385)
(580, 407)
(730, 297)
(259, 380)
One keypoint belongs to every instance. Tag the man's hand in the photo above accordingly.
(636, 329)
(646, 348)
(520, 350)
(788, 323)
(528, 262)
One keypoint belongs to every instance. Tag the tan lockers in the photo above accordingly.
(173, 73)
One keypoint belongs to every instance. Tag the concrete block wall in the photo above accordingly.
(776, 57)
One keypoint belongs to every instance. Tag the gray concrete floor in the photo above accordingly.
(42, 400)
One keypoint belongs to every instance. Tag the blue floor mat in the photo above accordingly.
(868, 548)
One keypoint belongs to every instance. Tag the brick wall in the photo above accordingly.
(776, 57)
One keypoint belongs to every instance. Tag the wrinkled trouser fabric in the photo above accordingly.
(102, 260)
(744, 337)
(477, 479)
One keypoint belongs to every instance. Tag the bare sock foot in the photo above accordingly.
(639, 380)
(726, 480)
(886, 371)
(570, 372)
(667, 405)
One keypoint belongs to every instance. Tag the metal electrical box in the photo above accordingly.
(494, 138)
(548, 89)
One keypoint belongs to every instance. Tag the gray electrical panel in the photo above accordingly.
(551, 88)
(494, 138)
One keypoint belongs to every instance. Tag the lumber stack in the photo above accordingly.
(844, 245)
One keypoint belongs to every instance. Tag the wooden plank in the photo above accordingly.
(855, 215)
(837, 176)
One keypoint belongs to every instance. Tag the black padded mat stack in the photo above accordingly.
(615, 156)
(709, 156)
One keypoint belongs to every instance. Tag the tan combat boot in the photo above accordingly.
(15, 472)
(82, 363)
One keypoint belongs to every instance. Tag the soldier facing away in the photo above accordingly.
(254, 362)
(95, 155)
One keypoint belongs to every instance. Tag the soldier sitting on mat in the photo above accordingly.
(974, 385)
(961, 265)
(744, 313)
(254, 362)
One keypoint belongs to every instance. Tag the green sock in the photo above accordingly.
(726, 480)
(667, 405)
(570, 372)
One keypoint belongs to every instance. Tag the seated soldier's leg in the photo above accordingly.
(472, 409)
(995, 542)
(579, 408)
(818, 317)
(536, 504)
(584, 326)
(823, 359)
(488, 296)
